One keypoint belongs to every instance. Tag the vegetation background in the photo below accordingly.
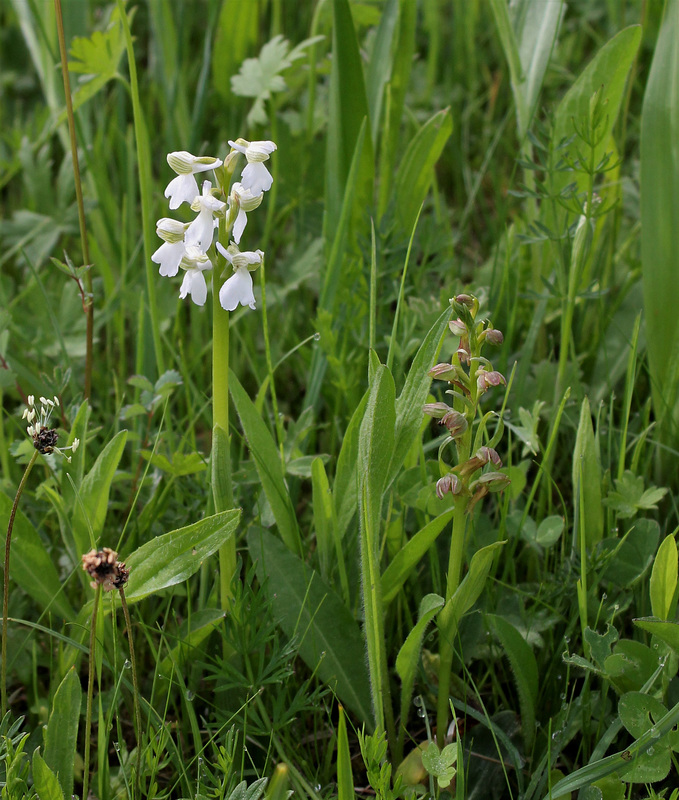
(524, 153)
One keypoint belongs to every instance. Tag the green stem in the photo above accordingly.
(135, 686)
(89, 336)
(280, 432)
(5, 588)
(90, 692)
(222, 492)
(447, 635)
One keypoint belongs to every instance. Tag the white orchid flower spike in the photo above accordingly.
(238, 288)
(170, 253)
(255, 177)
(201, 230)
(195, 262)
(183, 188)
(245, 201)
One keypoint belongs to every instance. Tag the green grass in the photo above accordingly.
(423, 150)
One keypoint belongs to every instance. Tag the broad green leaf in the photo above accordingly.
(536, 25)
(528, 31)
(173, 557)
(549, 531)
(469, 590)
(61, 737)
(376, 442)
(374, 454)
(236, 33)
(416, 171)
(408, 557)
(667, 631)
(638, 713)
(609, 68)
(587, 478)
(396, 90)
(659, 214)
(91, 503)
(330, 641)
(409, 413)
(348, 114)
(345, 486)
(45, 781)
(324, 521)
(631, 665)
(31, 566)
(268, 462)
(409, 655)
(345, 778)
(664, 580)
(381, 59)
(525, 671)
(633, 554)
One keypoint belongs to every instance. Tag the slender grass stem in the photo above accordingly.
(135, 686)
(145, 186)
(90, 692)
(5, 588)
(280, 432)
(89, 334)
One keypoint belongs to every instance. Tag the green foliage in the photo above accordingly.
(260, 77)
(630, 497)
(423, 151)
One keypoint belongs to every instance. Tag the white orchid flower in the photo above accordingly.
(195, 262)
(201, 230)
(238, 288)
(255, 177)
(244, 200)
(183, 188)
(170, 253)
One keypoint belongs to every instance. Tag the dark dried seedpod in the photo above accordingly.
(45, 440)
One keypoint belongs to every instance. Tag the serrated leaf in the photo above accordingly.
(260, 77)
(99, 54)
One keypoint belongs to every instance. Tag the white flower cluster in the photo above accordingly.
(44, 438)
(186, 245)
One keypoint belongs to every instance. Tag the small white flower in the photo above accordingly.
(170, 253)
(244, 200)
(195, 262)
(238, 288)
(201, 230)
(255, 177)
(184, 188)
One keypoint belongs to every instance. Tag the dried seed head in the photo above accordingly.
(105, 569)
(45, 440)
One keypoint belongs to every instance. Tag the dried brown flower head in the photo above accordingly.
(105, 569)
